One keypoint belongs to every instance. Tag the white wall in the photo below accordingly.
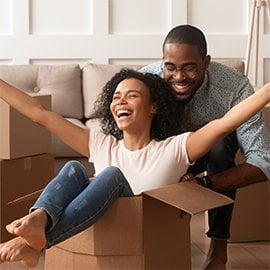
(122, 31)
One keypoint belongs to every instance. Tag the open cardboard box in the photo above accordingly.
(21, 181)
(151, 231)
(21, 137)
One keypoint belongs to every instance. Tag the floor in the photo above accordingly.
(242, 256)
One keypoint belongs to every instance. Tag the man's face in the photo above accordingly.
(184, 69)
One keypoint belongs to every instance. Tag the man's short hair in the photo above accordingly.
(187, 34)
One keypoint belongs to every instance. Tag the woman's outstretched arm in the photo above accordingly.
(202, 140)
(72, 135)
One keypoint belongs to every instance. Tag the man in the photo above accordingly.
(209, 90)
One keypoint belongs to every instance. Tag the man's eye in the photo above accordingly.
(170, 68)
(189, 68)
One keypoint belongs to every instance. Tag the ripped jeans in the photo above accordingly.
(73, 203)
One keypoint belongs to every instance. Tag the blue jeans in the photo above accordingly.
(73, 203)
(220, 158)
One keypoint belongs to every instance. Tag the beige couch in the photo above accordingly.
(73, 90)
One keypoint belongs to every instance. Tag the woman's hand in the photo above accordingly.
(188, 177)
(204, 181)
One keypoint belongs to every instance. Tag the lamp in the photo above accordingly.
(254, 22)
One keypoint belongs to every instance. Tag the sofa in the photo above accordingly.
(73, 90)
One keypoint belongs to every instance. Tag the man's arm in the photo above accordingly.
(202, 140)
(239, 176)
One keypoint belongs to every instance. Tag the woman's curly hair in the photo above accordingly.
(167, 120)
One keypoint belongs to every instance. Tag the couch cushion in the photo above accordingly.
(95, 76)
(236, 64)
(63, 82)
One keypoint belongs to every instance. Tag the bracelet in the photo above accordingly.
(186, 177)
(205, 181)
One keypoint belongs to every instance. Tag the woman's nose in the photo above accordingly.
(122, 100)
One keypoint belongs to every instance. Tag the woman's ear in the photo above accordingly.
(154, 109)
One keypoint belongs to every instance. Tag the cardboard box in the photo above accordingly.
(21, 137)
(19, 178)
(251, 214)
(151, 231)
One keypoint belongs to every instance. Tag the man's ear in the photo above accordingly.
(207, 61)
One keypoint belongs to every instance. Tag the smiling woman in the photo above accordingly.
(135, 152)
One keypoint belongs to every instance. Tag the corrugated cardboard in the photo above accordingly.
(21, 137)
(251, 214)
(20, 183)
(151, 231)
(122, 225)
(61, 259)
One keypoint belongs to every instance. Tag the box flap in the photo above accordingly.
(189, 197)
(26, 197)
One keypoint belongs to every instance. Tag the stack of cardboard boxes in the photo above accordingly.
(26, 164)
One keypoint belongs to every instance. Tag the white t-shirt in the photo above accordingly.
(158, 164)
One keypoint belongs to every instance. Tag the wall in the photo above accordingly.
(122, 31)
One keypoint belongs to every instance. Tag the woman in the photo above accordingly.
(130, 156)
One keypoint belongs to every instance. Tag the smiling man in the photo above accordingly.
(209, 90)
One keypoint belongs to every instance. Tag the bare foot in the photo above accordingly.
(18, 250)
(32, 228)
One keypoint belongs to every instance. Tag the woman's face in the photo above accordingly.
(132, 107)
